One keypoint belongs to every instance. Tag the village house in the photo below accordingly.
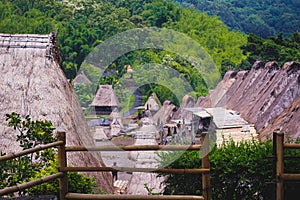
(222, 124)
(105, 100)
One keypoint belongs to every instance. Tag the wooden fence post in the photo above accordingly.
(62, 163)
(205, 164)
(279, 166)
(274, 161)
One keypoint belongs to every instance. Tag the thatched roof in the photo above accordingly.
(260, 95)
(187, 102)
(165, 113)
(32, 83)
(81, 78)
(105, 97)
(153, 103)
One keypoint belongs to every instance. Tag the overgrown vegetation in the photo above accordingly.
(275, 48)
(37, 165)
(238, 171)
(82, 25)
(263, 18)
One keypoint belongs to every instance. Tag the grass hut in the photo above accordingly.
(81, 78)
(105, 100)
(32, 83)
(153, 104)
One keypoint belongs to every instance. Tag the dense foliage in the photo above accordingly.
(238, 171)
(76, 182)
(263, 18)
(83, 25)
(31, 134)
(277, 48)
(37, 165)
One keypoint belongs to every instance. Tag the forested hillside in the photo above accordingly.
(263, 18)
(81, 25)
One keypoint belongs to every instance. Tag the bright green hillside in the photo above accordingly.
(81, 25)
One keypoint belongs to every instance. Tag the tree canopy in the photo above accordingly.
(263, 18)
(83, 25)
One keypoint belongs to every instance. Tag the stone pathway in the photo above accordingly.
(145, 159)
(139, 159)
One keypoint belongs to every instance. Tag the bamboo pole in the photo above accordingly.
(127, 169)
(279, 166)
(292, 146)
(11, 156)
(24, 186)
(62, 164)
(291, 177)
(205, 165)
(274, 162)
(135, 148)
(131, 197)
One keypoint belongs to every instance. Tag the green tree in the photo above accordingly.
(31, 134)
(85, 94)
(265, 18)
(277, 48)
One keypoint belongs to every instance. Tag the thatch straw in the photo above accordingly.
(105, 97)
(32, 83)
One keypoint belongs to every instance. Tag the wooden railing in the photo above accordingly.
(27, 185)
(63, 169)
(278, 139)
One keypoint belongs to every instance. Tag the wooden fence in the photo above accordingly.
(63, 169)
(279, 145)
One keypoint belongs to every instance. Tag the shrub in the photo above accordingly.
(40, 164)
(238, 171)
(77, 183)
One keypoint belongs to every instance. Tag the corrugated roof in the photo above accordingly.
(222, 117)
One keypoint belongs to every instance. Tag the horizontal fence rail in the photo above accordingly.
(127, 169)
(205, 169)
(63, 169)
(11, 156)
(23, 186)
(290, 177)
(291, 146)
(27, 185)
(131, 197)
(135, 148)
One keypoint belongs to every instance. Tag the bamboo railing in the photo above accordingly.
(278, 143)
(63, 169)
(10, 190)
(19, 187)
(11, 156)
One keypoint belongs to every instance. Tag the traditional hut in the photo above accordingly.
(222, 124)
(81, 78)
(32, 83)
(153, 104)
(105, 100)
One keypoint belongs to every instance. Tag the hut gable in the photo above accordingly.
(153, 103)
(81, 78)
(32, 83)
(105, 100)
